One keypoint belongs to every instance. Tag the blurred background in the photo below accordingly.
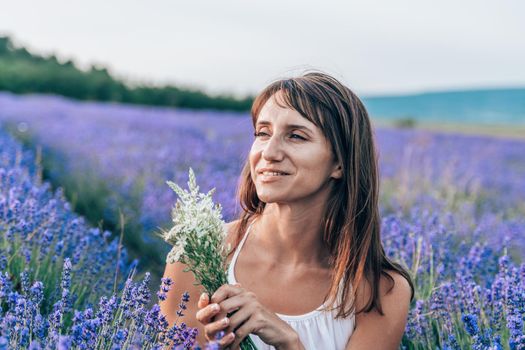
(116, 97)
(408, 59)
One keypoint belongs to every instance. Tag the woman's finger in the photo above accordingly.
(225, 291)
(237, 319)
(205, 314)
(242, 332)
(212, 328)
(204, 300)
(226, 340)
(236, 302)
(230, 306)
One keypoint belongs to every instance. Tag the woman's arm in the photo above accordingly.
(182, 282)
(374, 331)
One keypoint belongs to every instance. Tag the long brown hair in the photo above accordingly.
(351, 223)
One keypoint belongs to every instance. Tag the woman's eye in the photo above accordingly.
(259, 134)
(299, 136)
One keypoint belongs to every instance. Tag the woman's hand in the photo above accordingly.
(247, 316)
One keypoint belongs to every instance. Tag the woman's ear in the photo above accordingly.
(338, 172)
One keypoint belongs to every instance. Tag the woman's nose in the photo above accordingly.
(272, 149)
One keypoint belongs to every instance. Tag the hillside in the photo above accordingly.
(24, 72)
(489, 106)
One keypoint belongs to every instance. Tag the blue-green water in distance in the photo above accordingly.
(490, 106)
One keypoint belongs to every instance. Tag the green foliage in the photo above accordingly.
(405, 122)
(24, 72)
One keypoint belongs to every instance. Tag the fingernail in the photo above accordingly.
(203, 296)
(215, 307)
(231, 335)
(225, 321)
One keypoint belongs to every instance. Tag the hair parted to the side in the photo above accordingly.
(351, 222)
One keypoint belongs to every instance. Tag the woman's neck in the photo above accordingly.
(291, 234)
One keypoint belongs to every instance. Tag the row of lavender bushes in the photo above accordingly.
(114, 158)
(453, 205)
(64, 284)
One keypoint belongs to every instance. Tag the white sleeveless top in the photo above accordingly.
(316, 329)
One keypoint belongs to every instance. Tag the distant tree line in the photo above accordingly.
(24, 72)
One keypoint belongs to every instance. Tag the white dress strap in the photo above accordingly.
(231, 274)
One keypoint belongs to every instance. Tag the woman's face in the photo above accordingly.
(289, 143)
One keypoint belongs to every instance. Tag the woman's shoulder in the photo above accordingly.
(393, 282)
(382, 331)
(232, 224)
(393, 288)
(397, 284)
(230, 229)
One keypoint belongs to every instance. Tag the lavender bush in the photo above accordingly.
(117, 322)
(458, 279)
(54, 269)
(39, 230)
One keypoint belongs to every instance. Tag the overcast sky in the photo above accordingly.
(374, 46)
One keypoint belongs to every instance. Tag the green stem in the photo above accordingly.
(248, 344)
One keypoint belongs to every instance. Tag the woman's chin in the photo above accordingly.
(269, 198)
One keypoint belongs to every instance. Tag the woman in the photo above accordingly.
(309, 231)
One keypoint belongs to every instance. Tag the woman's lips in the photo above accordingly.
(271, 178)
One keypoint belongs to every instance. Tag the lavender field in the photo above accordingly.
(453, 213)
(64, 284)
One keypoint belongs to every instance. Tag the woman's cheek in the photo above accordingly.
(256, 147)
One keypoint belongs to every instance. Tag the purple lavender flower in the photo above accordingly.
(215, 345)
(35, 345)
(36, 293)
(3, 343)
(182, 305)
(64, 343)
(166, 284)
(452, 343)
(119, 338)
(471, 324)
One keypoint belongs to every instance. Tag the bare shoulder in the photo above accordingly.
(230, 228)
(232, 224)
(376, 331)
(398, 288)
(393, 288)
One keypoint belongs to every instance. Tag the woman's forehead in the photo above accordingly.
(274, 113)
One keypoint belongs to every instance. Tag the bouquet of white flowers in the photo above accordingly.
(198, 238)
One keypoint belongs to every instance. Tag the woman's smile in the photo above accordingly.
(272, 177)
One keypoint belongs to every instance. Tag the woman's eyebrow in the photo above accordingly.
(288, 126)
